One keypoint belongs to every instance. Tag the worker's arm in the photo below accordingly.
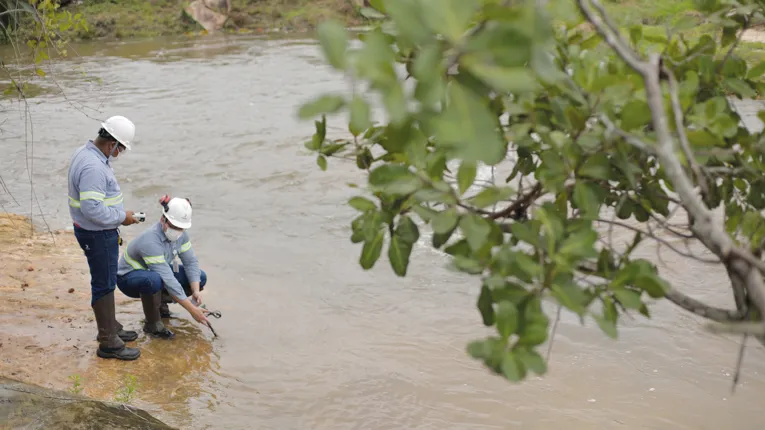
(93, 202)
(154, 257)
(190, 263)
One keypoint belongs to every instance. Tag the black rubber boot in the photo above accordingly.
(164, 309)
(154, 325)
(109, 344)
(125, 335)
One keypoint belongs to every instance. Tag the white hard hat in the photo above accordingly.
(121, 129)
(178, 212)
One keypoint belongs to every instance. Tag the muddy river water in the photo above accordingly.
(308, 340)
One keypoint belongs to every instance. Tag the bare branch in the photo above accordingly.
(748, 328)
(677, 109)
(658, 239)
(552, 333)
(739, 362)
(523, 202)
(703, 310)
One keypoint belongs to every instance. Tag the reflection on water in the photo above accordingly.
(308, 340)
(169, 374)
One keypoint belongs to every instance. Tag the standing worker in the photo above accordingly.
(95, 205)
(145, 267)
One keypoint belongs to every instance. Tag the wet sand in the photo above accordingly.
(47, 328)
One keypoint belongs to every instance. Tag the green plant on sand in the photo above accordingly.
(596, 125)
(127, 391)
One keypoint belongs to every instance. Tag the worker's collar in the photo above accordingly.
(92, 146)
(158, 227)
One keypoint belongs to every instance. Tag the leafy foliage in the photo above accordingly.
(534, 91)
(45, 40)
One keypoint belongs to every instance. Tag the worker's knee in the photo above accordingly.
(202, 279)
(152, 283)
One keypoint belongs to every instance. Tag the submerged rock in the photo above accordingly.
(28, 406)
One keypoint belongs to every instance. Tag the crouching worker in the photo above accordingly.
(146, 267)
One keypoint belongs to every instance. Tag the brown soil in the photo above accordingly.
(46, 324)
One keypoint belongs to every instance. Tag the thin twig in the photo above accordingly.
(658, 239)
(739, 362)
(552, 333)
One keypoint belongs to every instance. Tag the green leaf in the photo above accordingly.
(523, 231)
(448, 17)
(466, 175)
(369, 13)
(407, 230)
(531, 359)
(507, 319)
(756, 71)
(408, 18)
(445, 221)
(360, 114)
(635, 114)
(321, 161)
(490, 196)
(395, 179)
(608, 327)
(469, 129)
(371, 251)
(486, 306)
(630, 299)
(579, 245)
(597, 166)
(570, 296)
(587, 200)
(399, 252)
(362, 204)
(739, 87)
(379, 5)
(476, 230)
(512, 368)
(505, 79)
(395, 104)
(326, 104)
(425, 213)
(652, 284)
(334, 41)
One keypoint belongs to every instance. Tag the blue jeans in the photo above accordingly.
(137, 282)
(102, 250)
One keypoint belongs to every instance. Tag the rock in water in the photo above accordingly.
(24, 406)
(210, 14)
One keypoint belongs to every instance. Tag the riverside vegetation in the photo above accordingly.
(138, 18)
(596, 123)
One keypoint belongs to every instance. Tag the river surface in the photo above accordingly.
(308, 340)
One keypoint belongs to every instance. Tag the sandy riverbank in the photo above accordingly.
(47, 328)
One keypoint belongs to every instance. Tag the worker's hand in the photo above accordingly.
(199, 315)
(129, 218)
(198, 297)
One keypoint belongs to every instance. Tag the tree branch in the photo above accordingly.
(703, 310)
(677, 109)
(523, 202)
(720, 315)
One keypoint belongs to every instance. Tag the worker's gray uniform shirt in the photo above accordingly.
(95, 198)
(152, 251)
